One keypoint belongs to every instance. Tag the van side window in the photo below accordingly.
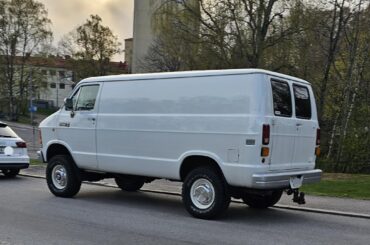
(282, 98)
(302, 102)
(86, 98)
(75, 97)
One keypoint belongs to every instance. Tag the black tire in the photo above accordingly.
(212, 183)
(262, 200)
(63, 167)
(129, 183)
(10, 173)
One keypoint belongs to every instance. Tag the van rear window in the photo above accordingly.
(302, 102)
(282, 98)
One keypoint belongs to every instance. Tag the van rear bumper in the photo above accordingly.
(282, 180)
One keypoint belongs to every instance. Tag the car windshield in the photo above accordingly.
(6, 132)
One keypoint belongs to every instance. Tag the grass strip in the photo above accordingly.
(341, 185)
(35, 162)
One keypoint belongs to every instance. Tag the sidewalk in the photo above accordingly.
(346, 205)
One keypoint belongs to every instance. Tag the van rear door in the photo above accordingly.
(293, 132)
(283, 130)
(306, 126)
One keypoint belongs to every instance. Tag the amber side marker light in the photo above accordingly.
(265, 152)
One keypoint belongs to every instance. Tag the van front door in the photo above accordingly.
(77, 127)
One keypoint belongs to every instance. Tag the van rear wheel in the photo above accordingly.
(129, 183)
(204, 193)
(262, 200)
(62, 176)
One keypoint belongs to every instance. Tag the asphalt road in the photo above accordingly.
(30, 214)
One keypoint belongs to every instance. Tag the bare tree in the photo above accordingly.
(355, 58)
(334, 25)
(227, 33)
(161, 56)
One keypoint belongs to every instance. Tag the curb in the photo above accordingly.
(286, 207)
(324, 211)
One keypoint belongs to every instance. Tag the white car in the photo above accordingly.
(13, 152)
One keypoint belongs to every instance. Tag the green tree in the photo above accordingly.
(24, 27)
(91, 46)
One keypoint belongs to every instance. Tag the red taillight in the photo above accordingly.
(318, 136)
(21, 144)
(266, 134)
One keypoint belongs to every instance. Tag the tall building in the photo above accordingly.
(128, 53)
(144, 28)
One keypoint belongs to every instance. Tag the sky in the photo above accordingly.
(66, 15)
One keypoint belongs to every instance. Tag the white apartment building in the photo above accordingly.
(59, 85)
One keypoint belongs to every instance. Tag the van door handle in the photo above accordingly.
(91, 119)
(299, 124)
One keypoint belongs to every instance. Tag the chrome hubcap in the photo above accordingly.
(59, 177)
(202, 193)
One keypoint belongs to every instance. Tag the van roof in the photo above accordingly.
(184, 74)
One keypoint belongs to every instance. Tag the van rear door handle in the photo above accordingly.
(299, 124)
(91, 119)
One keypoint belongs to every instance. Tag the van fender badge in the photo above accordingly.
(64, 124)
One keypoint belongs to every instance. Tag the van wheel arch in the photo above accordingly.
(192, 162)
(57, 149)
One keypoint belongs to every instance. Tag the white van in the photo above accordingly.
(246, 134)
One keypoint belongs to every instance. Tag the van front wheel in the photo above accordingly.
(204, 193)
(62, 176)
(262, 200)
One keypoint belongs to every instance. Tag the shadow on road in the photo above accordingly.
(16, 179)
(172, 205)
(150, 204)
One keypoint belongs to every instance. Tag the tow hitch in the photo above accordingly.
(298, 197)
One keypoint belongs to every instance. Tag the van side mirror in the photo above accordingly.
(68, 103)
